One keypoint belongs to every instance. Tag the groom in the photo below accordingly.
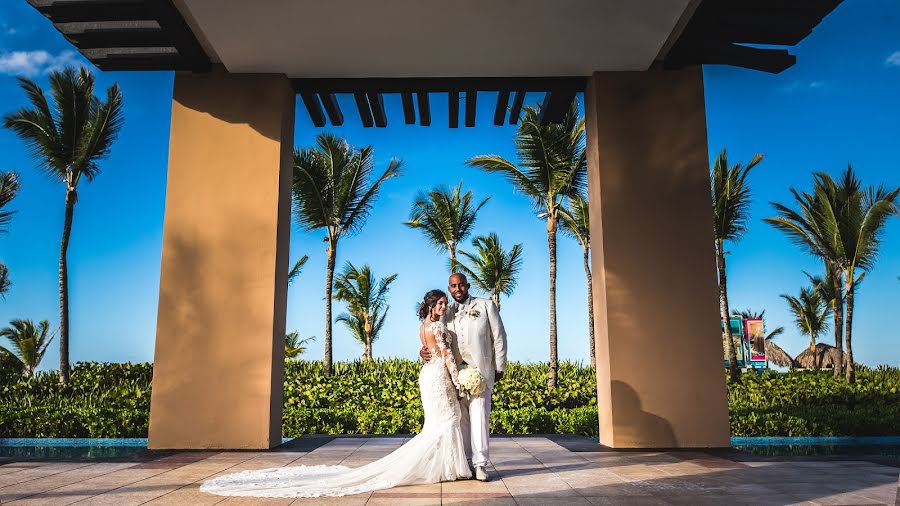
(479, 341)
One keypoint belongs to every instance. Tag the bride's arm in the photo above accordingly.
(442, 338)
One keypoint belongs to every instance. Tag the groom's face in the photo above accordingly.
(459, 287)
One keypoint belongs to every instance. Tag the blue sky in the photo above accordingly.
(839, 104)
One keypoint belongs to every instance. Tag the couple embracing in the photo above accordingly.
(464, 350)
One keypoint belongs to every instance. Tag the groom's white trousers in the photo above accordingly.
(475, 424)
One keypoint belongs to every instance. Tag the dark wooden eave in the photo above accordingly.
(127, 34)
(724, 31)
(558, 91)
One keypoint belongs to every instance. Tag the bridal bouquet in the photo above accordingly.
(471, 381)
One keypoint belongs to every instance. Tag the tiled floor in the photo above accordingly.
(525, 471)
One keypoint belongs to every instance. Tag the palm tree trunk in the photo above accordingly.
(452, 249)
(71, 197)
(848, 330)
(329, 282)
(733, 369)
(590, 292)
(367, 354)
(554, 359)
(837, 312)
(496, 298)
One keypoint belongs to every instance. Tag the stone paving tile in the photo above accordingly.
(350, 500)
(24, 490)
(524, 471)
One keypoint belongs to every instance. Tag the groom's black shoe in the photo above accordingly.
(481, 474)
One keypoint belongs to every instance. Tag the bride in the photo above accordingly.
(436, 454)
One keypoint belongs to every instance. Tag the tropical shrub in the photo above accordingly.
(382, 397)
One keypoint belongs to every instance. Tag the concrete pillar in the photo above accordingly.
(219, 361)
(660, 373)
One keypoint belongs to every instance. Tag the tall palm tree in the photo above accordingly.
(446, 217)
(842, 223)
(28, 341)
(831, 288)
(68, 141)
(334, 190)
(810, 313)
(731, 206)
(9, 187)
(494, 271)
(576, 223)
(367, 305)
(552, 167)
(294, 346)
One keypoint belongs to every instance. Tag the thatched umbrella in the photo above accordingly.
(825, 356)
(778, 356)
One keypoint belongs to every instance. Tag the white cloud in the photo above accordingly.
(817, 84)
(32, 63)
(893, 59)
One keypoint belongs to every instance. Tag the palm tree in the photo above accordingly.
(552, 167)
(297, 269)
(28, 341)
(831, 288)
(446, 217)
(366, 301)
(494, 270)
(576, 223)
(842, 223)
(731, 206)
(9, 187)
(68, 147)
(810, 313)
(294, 346)
(333, 190)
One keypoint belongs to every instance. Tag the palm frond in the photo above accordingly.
(493, 270)
(29, 342)
(297, 269)
(9, 187)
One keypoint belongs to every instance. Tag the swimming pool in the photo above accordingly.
(136, 448)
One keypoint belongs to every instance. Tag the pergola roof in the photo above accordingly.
(346, 46)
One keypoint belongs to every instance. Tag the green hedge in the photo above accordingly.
(382, 397)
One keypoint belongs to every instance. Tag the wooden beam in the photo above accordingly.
(471, 98)
(332, 108)
(365, 113)
(376, 102)
(314, 108)
(424, 108)
(453, 106)
(500, 109)
(92, 10)
(556, 105)
(409, 112)
(439, 84)
(773, 61)
(516, 110)
(96, 35)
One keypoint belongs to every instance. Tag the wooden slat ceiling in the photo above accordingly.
(152, 35)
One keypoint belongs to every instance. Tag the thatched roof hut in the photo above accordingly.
(824, 357)
(778, 356)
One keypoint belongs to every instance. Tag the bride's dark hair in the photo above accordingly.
(429, 301)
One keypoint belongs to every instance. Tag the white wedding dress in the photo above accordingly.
(436, 454)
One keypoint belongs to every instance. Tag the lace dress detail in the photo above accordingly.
(434, 455)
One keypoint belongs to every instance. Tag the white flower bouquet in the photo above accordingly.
(471, 382)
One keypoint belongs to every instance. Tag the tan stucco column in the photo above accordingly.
(660, 373)
(219, 362)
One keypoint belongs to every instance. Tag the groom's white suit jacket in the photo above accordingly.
(478, 335)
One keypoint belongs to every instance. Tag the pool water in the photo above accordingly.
(882, 446)
(77, 448)
(136, 448)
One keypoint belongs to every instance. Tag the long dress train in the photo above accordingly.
(436, 454)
